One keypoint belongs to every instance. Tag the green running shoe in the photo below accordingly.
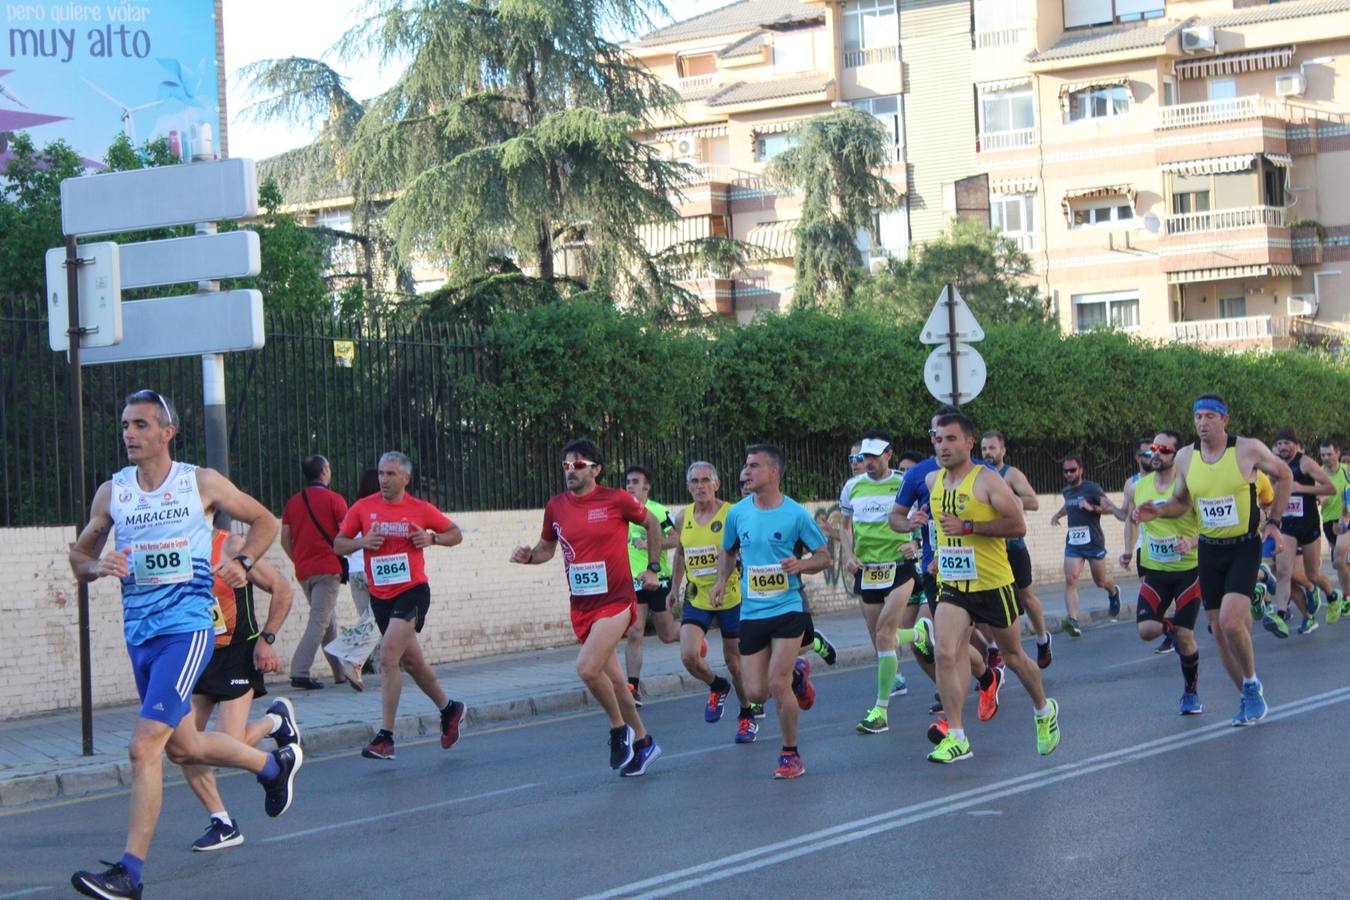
(1259, 602)
(1345, 608)
(950, 750)
(1314, 601)
(1071, 626)
(874, 722)
(1334, 608)
(1047, 729)
(1275, 624)
(923, 638)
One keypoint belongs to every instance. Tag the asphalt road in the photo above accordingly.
(1136, 801)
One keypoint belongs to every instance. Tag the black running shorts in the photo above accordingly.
(1301, 528)
(756, 634)
(1228, 569)
(1020, 559)
(230, 673)
(875, 595)
(1160, 589)
(655, 600)
(411, 606)
(997, 607)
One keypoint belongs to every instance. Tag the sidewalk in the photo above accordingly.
(40, 757)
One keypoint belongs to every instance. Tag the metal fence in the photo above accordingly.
(404, 390)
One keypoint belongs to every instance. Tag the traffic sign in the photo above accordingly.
(938, 329)
(185, 326)
(203, 257)
(970, 373)
(100, 296)
(159, 197)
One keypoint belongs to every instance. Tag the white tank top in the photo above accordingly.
(169, 541)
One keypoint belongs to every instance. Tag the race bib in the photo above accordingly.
(1163, 549)
(587, 579)
(700, 562)
(763, 582)
(162, 562)
(390, 569)
(217, 618)
(957, 564)
(1218, 512)
(1295, 507)
(878, 576)
(1080, 536)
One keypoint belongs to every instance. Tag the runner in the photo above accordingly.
(994, 449)
(160, 512)
(591, 522)
(974, 511)
(698, 527)
(396, 528)
(856, 460)
(1300, 531)
(1084, 503)
(1339, 476)
(234, 677)
(1167, 566)
(763, 532)
(638, 481)
(1215, 475)
(883, 577)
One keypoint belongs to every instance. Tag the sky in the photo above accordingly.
(270, 29)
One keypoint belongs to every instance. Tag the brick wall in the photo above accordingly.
(481, 605)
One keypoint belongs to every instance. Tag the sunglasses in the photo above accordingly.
(148, 396)
(855, 457)
(1070, 471)
(1165, 451)
(577, 465)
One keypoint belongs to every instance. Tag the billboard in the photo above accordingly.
(84, 72)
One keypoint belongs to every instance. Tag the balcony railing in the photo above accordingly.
(1185, 115)
(1002, 37)
(1007, 140)
(1226, 219)
(855, 58)
(1213, 331)
(692, 83)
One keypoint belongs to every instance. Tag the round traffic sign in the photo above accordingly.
(970, 373)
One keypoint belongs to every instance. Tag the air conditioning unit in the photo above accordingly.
(686, 149)
(1290, 84)
(1197, 37)
(1302, 305)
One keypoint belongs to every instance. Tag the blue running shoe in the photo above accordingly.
(643, 756)
(1308, 625)
(746, 730)
(219, 836)
(1314, 603)
(1253, 708)
(1191, 705)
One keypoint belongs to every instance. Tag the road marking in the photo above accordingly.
(1132, 662)
(366, 820)
(27, 892)
(725, 867)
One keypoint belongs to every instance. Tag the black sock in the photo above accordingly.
(638, 745)
(720, 684)
(385, 733)
(1190, 670)
(449, 705)
(746, 713)
(790, 750)
(621, 730)
(796, 678)
(987, 678)
(634, 681)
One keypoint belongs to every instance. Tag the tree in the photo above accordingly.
(836, 163)
(30, 212)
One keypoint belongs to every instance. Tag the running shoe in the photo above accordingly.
(801, 684)
(789, 766)
(746, 730)
(989, 696)
(289, 731)
(1259, 602)
(899, 687)
(757, 710)
(950, 750)
(1191, 705)
(936, 708)
(451, 716)
(637, 694)
(1047, 729)
(995, 658)
(1254, 701)
(1166, 646)
(1314, 601)
(620, 746)
(717, 701)
(1043, 654)
(874, 722)
(1070, 625)
(643, 757)
(114, 882)
(380, 748)
(1345, 608)
(923, 638)
(218, 836)
(1275, 624)
(280, 791)
(1308, 625)
(1334, 608)
(1113, 604)
(937, 731)
(824, 649)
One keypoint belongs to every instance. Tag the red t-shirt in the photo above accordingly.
(593, 532)
(397, 565)
(311, 551)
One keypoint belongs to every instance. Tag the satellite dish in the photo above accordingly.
(1152, 224)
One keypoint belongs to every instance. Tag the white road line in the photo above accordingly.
(27, 892)
(365, 820)
(859, 829)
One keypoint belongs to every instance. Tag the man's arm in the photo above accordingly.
(541, 552)
(1127, 555)
(1179, 502)
(219, 493)
(899, 520)
(448, 537)
(1017, 480)
(1261, 457)
(846, 553)
(1063, 509)
(1322, 486)
(677, 566)
(278, 607)
(85, 559)
(818, 561)
(286, 544)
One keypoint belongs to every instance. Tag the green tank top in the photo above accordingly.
(1224, 499)
(1332, 506)
(1158, 538)
(637, 559)
(868, 503)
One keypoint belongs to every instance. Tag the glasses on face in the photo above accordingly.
(855, 457)
(1070, 471)
(1165, 451)
(577, 465)
(148, 396)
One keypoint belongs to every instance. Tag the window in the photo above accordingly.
(870, 23)
(1014, 213)
(1232, 307)
(1114, 310)
(998, 15)
(892, 230)
(767, 146)
(1222, 89)
(1171, 95)
(1098, 102)
(1006, 110)
(794, 51)
(1112, 211)
(1273, 187)
(1190, 202)
(887, 111)
(1083, 13)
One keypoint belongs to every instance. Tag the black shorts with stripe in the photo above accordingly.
(996, 606)
(1159, 590)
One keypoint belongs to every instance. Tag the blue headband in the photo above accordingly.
(1208, 404)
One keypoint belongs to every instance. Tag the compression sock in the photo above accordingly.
(1190, 671)
(887, 665)
(987, 678)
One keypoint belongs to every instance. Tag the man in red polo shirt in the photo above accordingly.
(591, 523)
(395, 528)
(309, 523)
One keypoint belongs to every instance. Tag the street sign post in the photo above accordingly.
(954, 372)
(157, 198)
(99, 291)
(193, 324)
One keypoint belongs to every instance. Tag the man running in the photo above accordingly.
(638, 481)
(699, 529)
(1339, 476)
(396, 528)
(1300, 530)
(974, 511)
(1168, 566)
(763, 532)
(591, 522)
(234, 677)
(1084, 503)
(160, 512)
(994, 449)
(1215, 476)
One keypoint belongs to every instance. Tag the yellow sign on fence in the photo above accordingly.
(343, 353)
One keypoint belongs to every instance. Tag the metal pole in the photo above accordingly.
(213, 398)
(80, 498)
(952, 342)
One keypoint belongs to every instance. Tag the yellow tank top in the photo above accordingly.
(1223, 498)
(972, 562)
(1157, 550)
(699, 545)
(1265, 491)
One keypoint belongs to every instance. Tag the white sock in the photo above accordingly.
(223, 818)
(277, 724)
(1044, 710)
(1042, 639)
(993, 645)
(883, 704)
(1247, 681)
(958, 733)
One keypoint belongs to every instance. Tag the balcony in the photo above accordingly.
(694, 84)
(1226, 219)
(1007, 140)
(855, 58)
(1262, 330)
(1210, 112)
(1002, 37)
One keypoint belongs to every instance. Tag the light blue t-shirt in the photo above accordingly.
(766, 537)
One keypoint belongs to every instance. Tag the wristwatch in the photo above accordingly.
(246, 561)
(268, 636)
(1273, 520)
(654, 568)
